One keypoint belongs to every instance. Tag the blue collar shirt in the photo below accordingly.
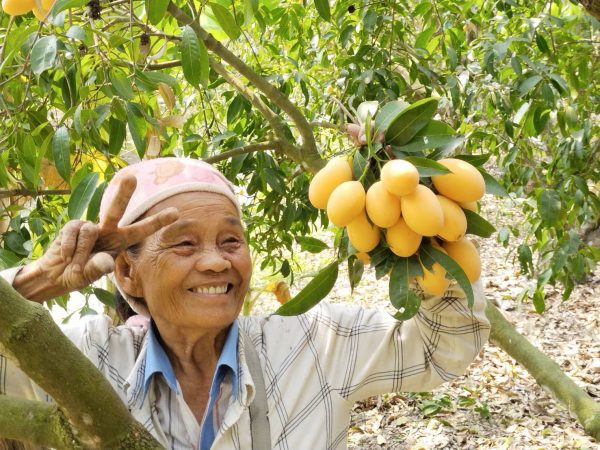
(158, 363)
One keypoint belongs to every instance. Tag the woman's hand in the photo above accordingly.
(83, 252)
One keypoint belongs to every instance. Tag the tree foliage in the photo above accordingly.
(99, 84)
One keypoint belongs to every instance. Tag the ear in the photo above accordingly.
(126, 275)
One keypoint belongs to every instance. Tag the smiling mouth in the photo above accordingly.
(212, 290)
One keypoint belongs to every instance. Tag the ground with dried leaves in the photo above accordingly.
(496, 404)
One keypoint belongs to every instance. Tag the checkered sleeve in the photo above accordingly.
(366, 352)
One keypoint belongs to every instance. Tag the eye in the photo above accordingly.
(232, 240)
(184, 244)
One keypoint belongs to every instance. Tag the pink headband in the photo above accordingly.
(158, 179)
(161, 178)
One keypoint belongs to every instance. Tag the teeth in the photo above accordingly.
(211, 290)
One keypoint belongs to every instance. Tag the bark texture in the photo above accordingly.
(98, 416)
(592, 7)
(546, 372)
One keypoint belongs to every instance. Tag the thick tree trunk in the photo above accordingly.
(592, 7)
(545, 371)
(92, 409)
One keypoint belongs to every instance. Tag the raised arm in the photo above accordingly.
(367, 352)
(83, 252)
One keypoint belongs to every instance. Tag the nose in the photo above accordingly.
(211, 259)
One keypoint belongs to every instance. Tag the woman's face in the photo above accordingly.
(196, 271)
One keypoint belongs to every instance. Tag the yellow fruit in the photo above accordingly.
(466, 255)
(17, 7)
(363, 236)
(422, 211)
(433, 282)
(402, 240)
(363, 258)
(346, 202)
(471, 206)
(41, 15)
(337, 171)
(455, 221)
(47, 4)
(464, 184)
(399, 177)
(383, 208)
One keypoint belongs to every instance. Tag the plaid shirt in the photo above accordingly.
(315, 367)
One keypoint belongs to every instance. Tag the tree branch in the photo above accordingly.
(4, 193)
(546, 372)
(311, 159)
(37, 423)
(333, 126)
(274, 145)
(592, 7)
(31, 337)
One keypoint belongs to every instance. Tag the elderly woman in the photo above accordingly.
(200, 376)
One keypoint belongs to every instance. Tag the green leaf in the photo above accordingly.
(250, 8)
(323, 9)
(121, 84)
(43, 54)
(137, 127)
(529, 84)
(410, 121)
(477, 225)
(427, 167)
(356, 270)
(194, 58)
(76, 32)
(475, 160)
(525, 258)
(430, 254)
(105, 297)
(359, 163)
(401, 296)
(434, 135)
(539, 300)
(61, 152)
(492, 186)
(549, 206)
(559, 83)
(311, 244)
(424, 37)
(82, 195)
(542, 44)
(312, 293)
(61, 5)
(387, 114)
(94, 206)
(117, 131)
(226, 20)
(156, 10)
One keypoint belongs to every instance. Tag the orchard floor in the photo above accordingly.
(496, 404)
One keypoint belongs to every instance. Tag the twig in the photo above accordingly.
(5, 193)
(333, 126)
(251, 148)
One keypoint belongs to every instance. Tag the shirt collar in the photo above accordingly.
(157, 361)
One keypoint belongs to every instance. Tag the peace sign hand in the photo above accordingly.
(83, 252)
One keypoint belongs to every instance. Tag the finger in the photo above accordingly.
(99, 265)
(68, 239)
(120, 201)
(138, 231)
(85, 243)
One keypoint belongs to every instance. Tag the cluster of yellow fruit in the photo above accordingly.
(19, 7)
(407, 210)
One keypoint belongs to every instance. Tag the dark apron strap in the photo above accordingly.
(259, 418)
